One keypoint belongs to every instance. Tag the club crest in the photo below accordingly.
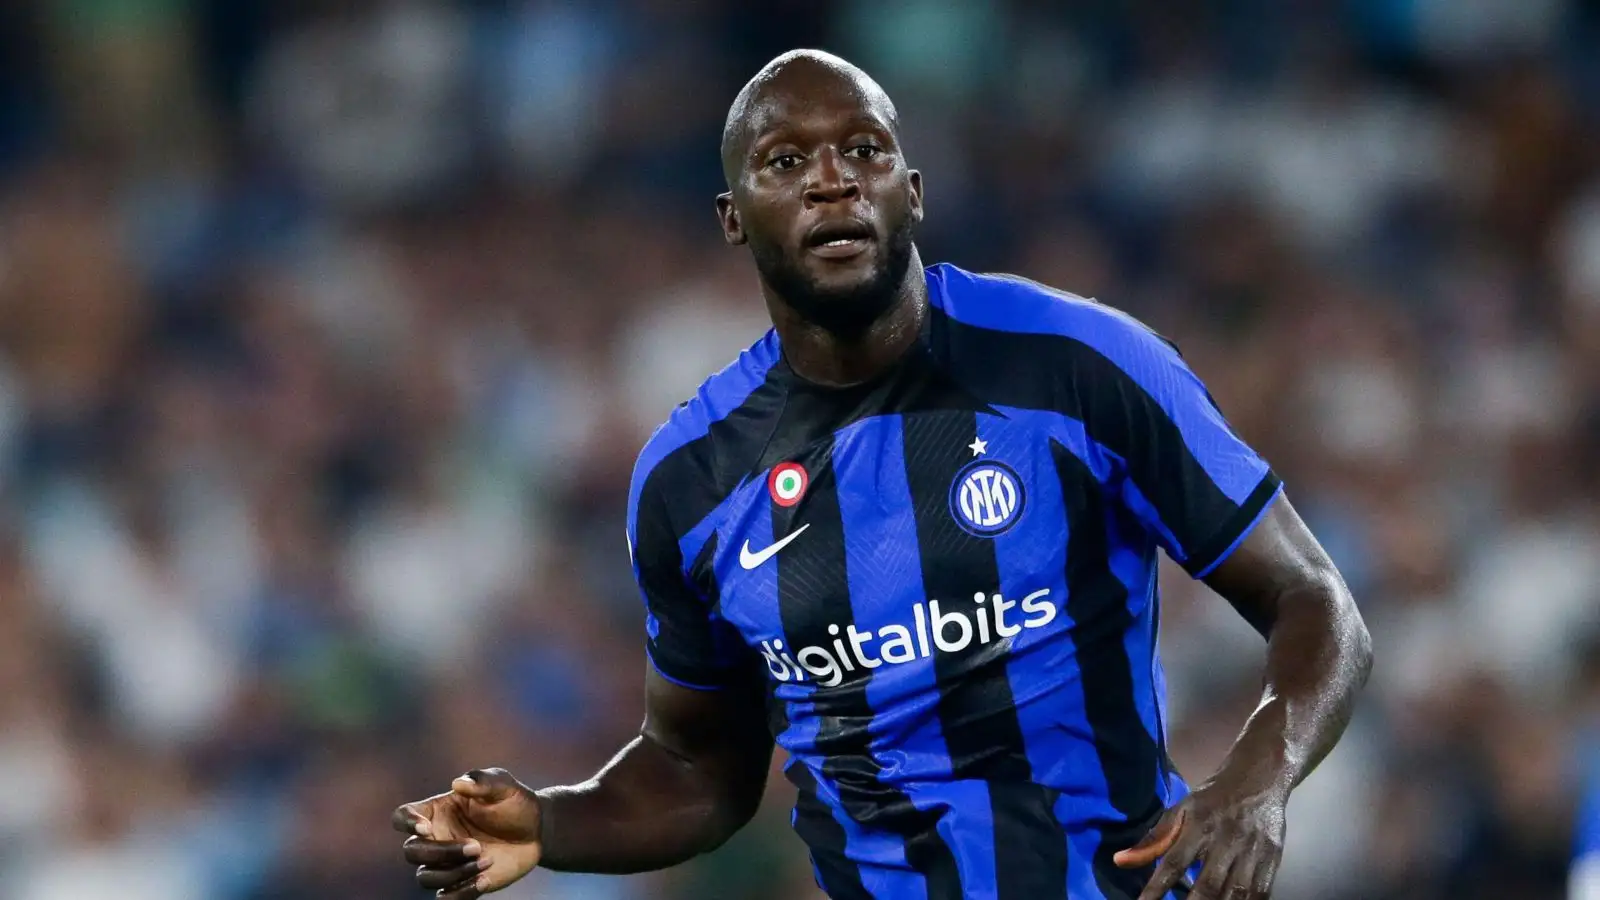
(986, 497)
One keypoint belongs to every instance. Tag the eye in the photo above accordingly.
(785, 161)
(863, 151)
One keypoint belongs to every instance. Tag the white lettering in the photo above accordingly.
(1001, 604)
(933, 628)
(897, 644)
(1046, 611)
(922, 628)
(857, 637)
(838, 649)
(775, 665)
(827, 671)
(799, 673)
(940, 620)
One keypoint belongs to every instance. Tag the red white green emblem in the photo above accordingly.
(787, 484)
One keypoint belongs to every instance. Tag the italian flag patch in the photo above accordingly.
(787, 484)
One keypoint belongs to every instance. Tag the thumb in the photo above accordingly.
(485, 785)
(1156, 843)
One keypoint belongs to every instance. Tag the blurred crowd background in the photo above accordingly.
(329, 330)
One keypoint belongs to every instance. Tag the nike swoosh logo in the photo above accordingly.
(751, 560)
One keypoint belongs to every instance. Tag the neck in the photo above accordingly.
(839, 360)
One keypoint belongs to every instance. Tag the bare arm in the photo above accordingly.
(693, 777)
(1318, 657)
(1318, 650)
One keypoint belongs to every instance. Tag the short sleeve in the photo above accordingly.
(1193, 483)
(687, 642)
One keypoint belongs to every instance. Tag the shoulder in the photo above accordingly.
(671, 452)
(1038, 318)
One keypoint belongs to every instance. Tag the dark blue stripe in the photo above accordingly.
(885, 575)
(885, 581)
(1133, 560)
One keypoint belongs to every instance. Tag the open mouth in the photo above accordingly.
(839, 240)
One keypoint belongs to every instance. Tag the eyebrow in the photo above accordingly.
(865, 122)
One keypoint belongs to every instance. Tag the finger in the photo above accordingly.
(410, 819)
(440, 879)
(1218, 876)
(1156, 843)
(486, 785)
(469, 891)
(1174, 864)
(440, 854)
(1269, 855)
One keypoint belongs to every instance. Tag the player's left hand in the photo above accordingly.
(1237, 832)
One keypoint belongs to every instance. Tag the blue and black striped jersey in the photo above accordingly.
(1585, 880)
(947, 576)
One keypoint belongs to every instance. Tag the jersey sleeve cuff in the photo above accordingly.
(693, 678)
(1227, 538)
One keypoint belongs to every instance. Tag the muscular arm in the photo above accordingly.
(1318, 651)
(693, 777)
(1318, 656)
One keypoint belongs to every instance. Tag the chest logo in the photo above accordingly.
(751, 560)
(986, 497)
(787, 483)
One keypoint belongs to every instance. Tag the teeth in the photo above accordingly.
(839, 242)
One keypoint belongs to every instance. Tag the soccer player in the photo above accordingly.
(912, 535)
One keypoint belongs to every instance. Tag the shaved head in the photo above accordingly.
(819, 190)
(795, 76)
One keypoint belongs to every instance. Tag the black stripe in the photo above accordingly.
(813, 592)
(697, 476)
(677, 494)
(1228, 531)
(1067, 376)
(977, 712)
(684, 648)
(825, 837)
(1097, 603)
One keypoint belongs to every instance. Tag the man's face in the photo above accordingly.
(824, 199)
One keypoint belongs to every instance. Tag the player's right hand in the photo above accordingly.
(476, 839)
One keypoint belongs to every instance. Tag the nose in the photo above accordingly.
(830, 180)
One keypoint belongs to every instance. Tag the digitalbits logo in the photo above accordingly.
(986, 498)
(933, 628)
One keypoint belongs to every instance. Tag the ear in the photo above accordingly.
(732, 228)
(916, 195)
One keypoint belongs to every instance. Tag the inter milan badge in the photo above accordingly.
(787, 483)
(986, 497)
